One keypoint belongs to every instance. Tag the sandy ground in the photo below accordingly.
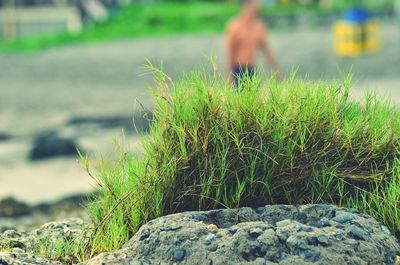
(43, 91)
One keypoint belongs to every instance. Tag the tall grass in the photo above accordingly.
(214, 146)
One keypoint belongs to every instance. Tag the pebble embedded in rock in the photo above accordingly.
(312, 240)
(313, 256)
(391, 257)
(210, 238)
(343, 218)
(386, 230)
(357, 233)
(176, 241)
(256, 249)
(196, 217)
(179, 254)
(212, 228)
(323, 240)
(255, 233)
(284, 255)
(232, 230)
(144, 236)
(302, 217)
(307, 229)
(324, 222)
(212, 248)
(293, 242)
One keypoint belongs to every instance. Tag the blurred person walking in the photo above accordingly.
(245, 35)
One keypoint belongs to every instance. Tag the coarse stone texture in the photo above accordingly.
(21, 247)
(276, 234)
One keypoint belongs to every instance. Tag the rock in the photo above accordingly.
(20, 246)
(179, 254)
(232, 230)
(4, 137)
(255, 233)
(212, 228)
(210, 238)
(323, 240)
(313, 256)
(357, 233)
(24, 259)
(15, 215)
(294, 242)
(307, 229)
(324, 222)
(49, 144)
(10, 207)
(259, 237)
(139, 122)
(343, 218)
(256, 250)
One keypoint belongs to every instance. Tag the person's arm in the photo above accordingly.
(229, 43)
(269, 57)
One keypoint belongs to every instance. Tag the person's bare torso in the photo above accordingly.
(247, 38)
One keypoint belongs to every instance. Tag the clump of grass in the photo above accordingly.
(64, 250)
(214, 146)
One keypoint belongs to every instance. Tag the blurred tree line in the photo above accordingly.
(337, 5)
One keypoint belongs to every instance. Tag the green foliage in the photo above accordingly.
(214, 146)
(64, 250)
(162, 19)
(138, 20)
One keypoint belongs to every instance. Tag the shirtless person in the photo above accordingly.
(245, 35)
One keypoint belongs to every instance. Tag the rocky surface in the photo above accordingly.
(278, 234)
(9, 207)
(50, 145)
(22, 247)
(19, 216)
(312, 234)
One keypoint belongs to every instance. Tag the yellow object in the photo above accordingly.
(285, 2)
(352, 39)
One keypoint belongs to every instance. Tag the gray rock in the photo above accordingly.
(255, 232)
(259, 237)
(19, 246)
(343, 218)
(179, 254)
(256, 249)
(323, 240)
(210, 238)
(242, 236)
(10, 207)
(49, 145)
(324, 222)
(357, 233)
(312, 256)
(4, 137)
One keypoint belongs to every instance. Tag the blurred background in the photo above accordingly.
(72, 76)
